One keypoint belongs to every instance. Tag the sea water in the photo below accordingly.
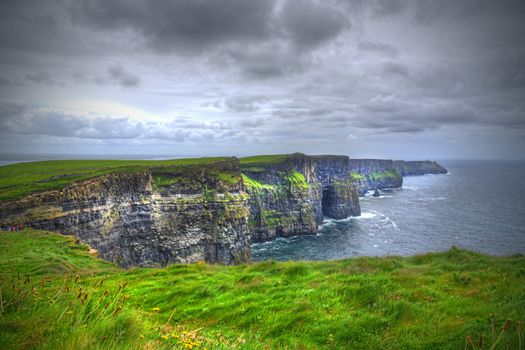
(479, 205)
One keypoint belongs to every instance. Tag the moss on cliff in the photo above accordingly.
(254, 185)
(296, 179)
(380, 175)
(356, 176)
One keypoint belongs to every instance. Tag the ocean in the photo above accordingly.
(479, 205)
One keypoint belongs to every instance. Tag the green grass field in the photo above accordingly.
(55, 295)
(19, 180)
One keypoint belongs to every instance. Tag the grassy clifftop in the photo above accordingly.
(19, 180)
(53, 293)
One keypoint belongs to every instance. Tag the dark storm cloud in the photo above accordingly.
(260, 38)
(199, 25)
(123, 77)
(309, 23)
(180, 25)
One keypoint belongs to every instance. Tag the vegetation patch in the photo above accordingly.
(54, 294)
(356, 176)
(227, 177)
(254, 185)
(379, 175)
(296, 179)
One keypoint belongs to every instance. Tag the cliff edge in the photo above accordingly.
(154, 213)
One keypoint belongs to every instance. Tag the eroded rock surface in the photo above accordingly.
(169, 214)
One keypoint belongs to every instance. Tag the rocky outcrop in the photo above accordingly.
(166, 215)
(340, 195)
(373, 174)
(292, 195)
(408, 168)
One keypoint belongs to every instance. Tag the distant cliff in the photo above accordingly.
(372, 174)
(157, 213)
(408, 168)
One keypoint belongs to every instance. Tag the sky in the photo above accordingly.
(401, 79)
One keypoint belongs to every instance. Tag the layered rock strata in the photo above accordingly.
(166, 215)
(211, 212)
(291, 196)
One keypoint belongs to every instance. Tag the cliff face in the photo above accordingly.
(156, 215)
(291, 196)
(372, 174)
(166, 215)
(407, 168)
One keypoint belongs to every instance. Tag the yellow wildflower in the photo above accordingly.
(155, 309)
(165, 337)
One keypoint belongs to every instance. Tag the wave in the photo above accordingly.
(327, 222)
(366, 215)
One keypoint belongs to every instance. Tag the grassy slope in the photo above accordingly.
(429, 301)
(19, 180)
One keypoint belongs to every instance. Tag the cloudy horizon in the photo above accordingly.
(381, 79)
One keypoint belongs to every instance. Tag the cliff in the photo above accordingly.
(408, 168)
(372, 174)
(153, 213)
(291, 195)
(153, 217)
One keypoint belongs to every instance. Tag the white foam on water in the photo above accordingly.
(366, 215)
(411, 188)
(327, 222)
